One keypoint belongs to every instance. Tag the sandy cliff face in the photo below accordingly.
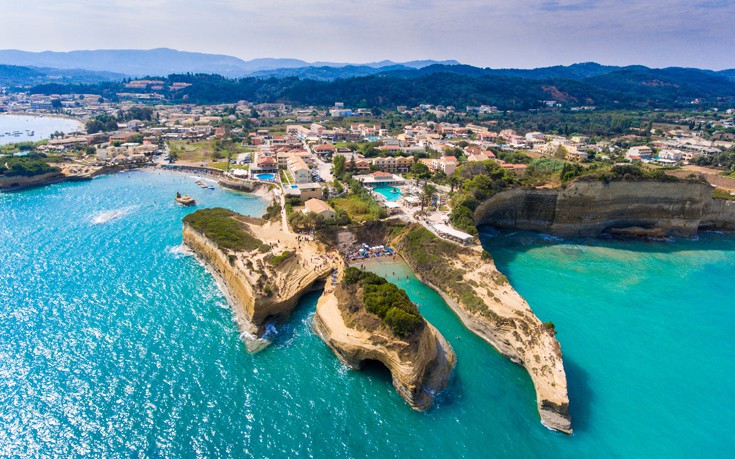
(420, 365)
(489, 306)
(257, 298)
(590, 208)
(18, 183)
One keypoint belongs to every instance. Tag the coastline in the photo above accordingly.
(44, 115)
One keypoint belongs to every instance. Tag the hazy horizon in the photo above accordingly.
(484, 33)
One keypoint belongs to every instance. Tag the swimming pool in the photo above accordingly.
(388, 192)
(267, 177)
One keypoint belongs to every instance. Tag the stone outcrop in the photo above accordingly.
(591, 208)
(487, 304)
(19, 183)
(420, 365)
(258, 292)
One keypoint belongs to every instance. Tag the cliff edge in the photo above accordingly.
(420, 360)
(262, 270)
(487, 304)
(591, 208)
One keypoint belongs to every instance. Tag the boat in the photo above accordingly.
(185, 200)
(211, 187)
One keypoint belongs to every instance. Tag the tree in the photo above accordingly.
(421, 170)
(427, 195)
(339, 165)
(56, 104)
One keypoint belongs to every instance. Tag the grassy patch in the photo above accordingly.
(359, 207)
(721, 193)
(278, 259)
(224, 230)
(430, 257)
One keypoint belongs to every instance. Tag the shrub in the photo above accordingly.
(224, 230)
(386, 301)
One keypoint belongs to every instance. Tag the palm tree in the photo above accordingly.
(427, 195)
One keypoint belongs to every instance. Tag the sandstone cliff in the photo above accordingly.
(420, 364)
(488, 305)
(258, 291)
(19, 183)
(590, 208)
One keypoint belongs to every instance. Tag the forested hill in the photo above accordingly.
(460, 86)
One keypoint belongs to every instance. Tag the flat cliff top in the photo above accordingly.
(275, 263)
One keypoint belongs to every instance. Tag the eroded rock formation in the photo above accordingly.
(591, 208)
(420, 364)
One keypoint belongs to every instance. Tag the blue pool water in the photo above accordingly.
(115, 343)
(387, 191)
(266, 177)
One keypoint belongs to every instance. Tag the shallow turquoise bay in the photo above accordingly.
(114, 343)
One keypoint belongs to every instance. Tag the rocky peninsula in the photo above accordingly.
(487, 304)
(420, 360)
(589, 208)
(484, 300)
(262, 269)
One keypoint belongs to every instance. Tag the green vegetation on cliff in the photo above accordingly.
(26, 166)
(478, 181)
(386, 301)
(359, 205)
(431, 259)
(224, 230)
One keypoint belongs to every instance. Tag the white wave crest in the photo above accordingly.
(180, 251)
(110, 215)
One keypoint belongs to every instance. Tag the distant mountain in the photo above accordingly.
(11, 75)
(164, 61)
(729, 74)
(326, 73)
(571, 72)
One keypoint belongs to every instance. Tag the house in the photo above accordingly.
(324, 149)
(299, 170)
(394, 164)
(319, 207)
(310, 190)
(452, 234)
(478, 157)
(379, 179)
(643, 152)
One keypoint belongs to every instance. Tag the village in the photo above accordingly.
(314, 156)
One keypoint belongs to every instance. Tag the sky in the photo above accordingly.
(486, 33)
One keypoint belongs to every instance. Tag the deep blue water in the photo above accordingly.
(114, 343)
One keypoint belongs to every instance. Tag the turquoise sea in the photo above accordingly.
(115, 343)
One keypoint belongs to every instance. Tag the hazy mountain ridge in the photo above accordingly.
(164, 61)
(11, 75)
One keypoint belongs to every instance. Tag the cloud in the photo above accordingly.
(568, 5)
(481, 32)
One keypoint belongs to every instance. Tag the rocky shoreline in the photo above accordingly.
(593, 208)
(420, 365)
(259, 292)
(488, 306)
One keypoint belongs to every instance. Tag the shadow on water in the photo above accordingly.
(515, 242)
(374, 369)
(289, 329)
(580, 395)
